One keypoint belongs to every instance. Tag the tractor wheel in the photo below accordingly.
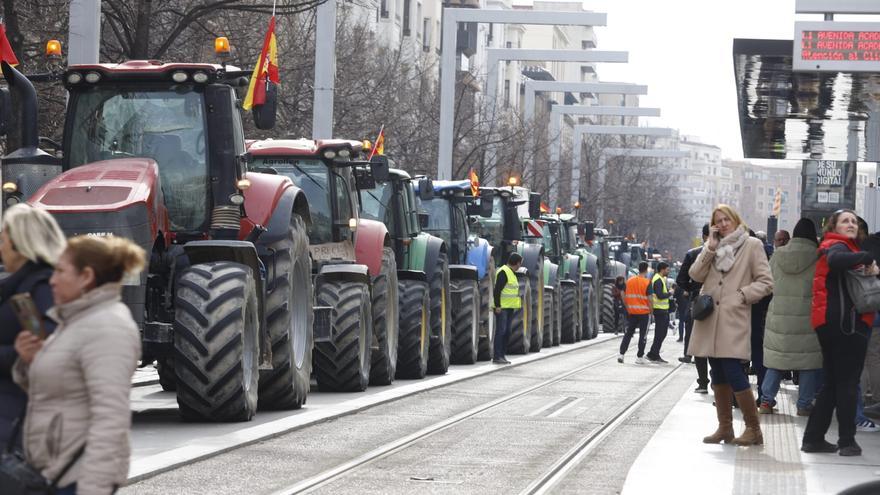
(415, 322)
(343, 363)
(385, 321)
(568, 307)
(487, 316)
(608, 324)
(165, 370)
(520, 329)
(466, 322)
(441, 319)
(289, 316)
(216, 342)
(595, 310)
(536, 282)
(547, 335)
(557, 316)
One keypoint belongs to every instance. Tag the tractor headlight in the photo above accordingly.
(179, 76)
(344, 153)
(12, 200)
(74, 78)
(10, 187)
(329, 154)
(200, 77)
(236, 199)
(93, 77)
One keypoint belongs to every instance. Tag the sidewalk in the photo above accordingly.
(676, 460)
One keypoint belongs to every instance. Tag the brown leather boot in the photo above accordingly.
(752, 434)
(723, 408)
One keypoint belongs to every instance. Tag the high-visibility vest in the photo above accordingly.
(635, 298)
(510, 293)
(656, 302)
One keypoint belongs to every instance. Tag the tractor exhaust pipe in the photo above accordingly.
(27, 95)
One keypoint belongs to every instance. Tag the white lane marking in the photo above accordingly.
(538, 411)
(566, 407)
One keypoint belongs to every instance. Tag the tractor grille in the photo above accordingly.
(226, 217)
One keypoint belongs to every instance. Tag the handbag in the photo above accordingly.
(864, 290)
(17, 477)
(703, 306)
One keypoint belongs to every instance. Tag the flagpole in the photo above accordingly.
(274, 2)
(373, 149)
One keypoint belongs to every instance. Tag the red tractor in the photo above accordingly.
(352, 260)
(156, 153)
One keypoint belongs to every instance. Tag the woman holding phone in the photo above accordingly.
(85, 417)
(734, 271)
(30, 243)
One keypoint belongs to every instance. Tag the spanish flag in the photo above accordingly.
(379, 146)
(6, 53)
(544, 207)
(475, 183)
(266, 68)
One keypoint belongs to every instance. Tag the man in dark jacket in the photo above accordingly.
(692, 289)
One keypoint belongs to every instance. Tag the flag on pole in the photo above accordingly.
(6, 53)
(475, 183)
(777, 203)
(544, 207)
(266, 70)
(379, 145)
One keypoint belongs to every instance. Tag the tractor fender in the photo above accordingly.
(478, 255)
(267, 196)
(463, 272)
(370, 238)
(412, 275)
(292, 200)
(572, 266)
(615, 269)
(531, 253)
(433, 247)
(347, 272)
(591, 265)
(551, 273)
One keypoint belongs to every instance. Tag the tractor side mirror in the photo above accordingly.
(264, 115)
(535, 205)
(364, 179)
(487, 198)
(589, 231)
(5, 110)
(379, 168)
(426, 189)
(423, 220)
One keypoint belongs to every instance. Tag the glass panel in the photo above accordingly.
(312, 177)
(491, 228)
(375, 205)
(164, 125)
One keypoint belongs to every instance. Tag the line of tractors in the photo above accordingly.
(280, 262)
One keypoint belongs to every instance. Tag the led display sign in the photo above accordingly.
(837, 46)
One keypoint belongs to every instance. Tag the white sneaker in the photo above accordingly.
(640, 360)
(620, 359)
(868, 426)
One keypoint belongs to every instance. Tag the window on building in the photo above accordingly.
(418, 18)
(426, 38)
(398, 8)
(507, 93)
(383, 9)
(760, 205)
(406, 28)
(736, 188)
(747, 189)
(761, 191)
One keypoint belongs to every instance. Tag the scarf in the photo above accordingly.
(726, 251)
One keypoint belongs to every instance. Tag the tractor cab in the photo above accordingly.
(448, 206)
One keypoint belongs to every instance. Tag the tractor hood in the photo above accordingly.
(106, 185)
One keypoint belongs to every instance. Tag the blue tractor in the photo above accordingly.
(449, 205)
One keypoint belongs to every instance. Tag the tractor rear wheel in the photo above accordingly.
(216, 342)
(536, 282)
(289, 316)
(549, 327)
(608, 323)
(165, 370)
(487, 316)
(595, 314)
(568, 307)
(412, 346)
(441, 319)
(557, 316)
(466, 322)
(385, 321)
(343, 363)
(520, 329)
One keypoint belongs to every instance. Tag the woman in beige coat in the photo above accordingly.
(733, 269)
(79, 380)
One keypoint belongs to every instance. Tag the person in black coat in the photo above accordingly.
(687, 284)
(30, 243)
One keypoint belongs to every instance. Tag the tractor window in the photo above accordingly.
(343, 196)
(492, 228)
(439, 221)
(312, 177)
(109, 122)
(376, 204)
(547, 238)
(413, 217)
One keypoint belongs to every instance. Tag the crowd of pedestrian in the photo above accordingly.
(68, 349)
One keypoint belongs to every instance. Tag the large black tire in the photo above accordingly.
(549, 328)
(520, 329)
(343, 363)
(385, 321)
(216, 342)
(595, 318)
(289, 316)
(415, 327)
(608, 324)
(466, 322)
(440, 350)
(165, 370)
(557, 316)
(568, 304)
(487, 316)
(536, 283)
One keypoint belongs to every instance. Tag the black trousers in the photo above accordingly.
(661, 328)
(842, 359)
(633, 321)
(701, 362)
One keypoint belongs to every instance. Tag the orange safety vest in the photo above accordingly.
(635, 297)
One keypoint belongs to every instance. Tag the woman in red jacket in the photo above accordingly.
(843, 335)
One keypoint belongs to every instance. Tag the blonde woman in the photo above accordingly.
(79, 380)
(733, 269)
(30, 243)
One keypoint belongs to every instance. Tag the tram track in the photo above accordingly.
(545, 482)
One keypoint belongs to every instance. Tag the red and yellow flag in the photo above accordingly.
(544, 207)
(266, 68)
(475, 183)
(379, 145)
(6, 53)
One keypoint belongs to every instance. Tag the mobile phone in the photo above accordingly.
(28, 315)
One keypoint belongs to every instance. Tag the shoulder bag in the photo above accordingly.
(864, 290)
(703, 306)
(17, 477)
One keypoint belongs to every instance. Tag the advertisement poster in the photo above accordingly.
(827, 186)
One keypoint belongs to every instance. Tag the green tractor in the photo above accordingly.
(423, 274)
(606, 269)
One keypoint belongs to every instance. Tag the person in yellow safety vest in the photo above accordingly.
(638, 311)
(660, 304)
(507, 300)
